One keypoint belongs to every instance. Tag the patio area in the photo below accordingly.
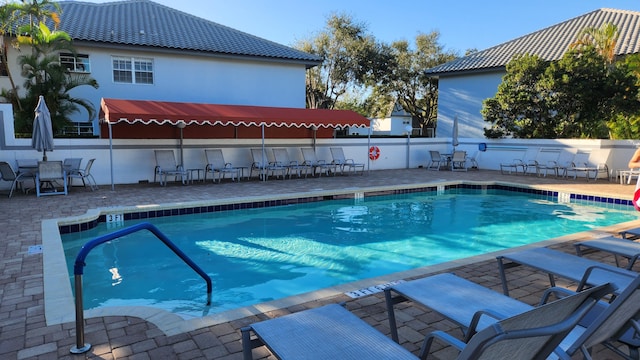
(24, 333)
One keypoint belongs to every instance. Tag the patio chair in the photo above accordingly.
(17, 179)
(332, 332)
(459, 161)
(166, 166)
(581, 164)
(436, 160)
(345, 165)
(512, 167)
(474, 160)
(264, 167)
(616, 246)
(474, 307)
(281, 158)
(217, 165)
(85, 176)
(584, 271)
(47, 177)
(560, 166)
(545, 160)
(319, 166)
(71, 166)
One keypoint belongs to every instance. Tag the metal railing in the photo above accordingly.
(78, 128)
(78, 268)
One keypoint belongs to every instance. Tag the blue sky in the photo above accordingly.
(463, 24)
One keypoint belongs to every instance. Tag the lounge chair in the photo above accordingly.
(264, 167)
(217, 165)
(582, 164)
(319, 166)
(545, 160)
(560, 166)
(281, 157)
(47, 177)
(459, 161)
(474, 307)
(556, 263)
(344, 164)
(85, 176)
(522, 163)
(630, 233)
(17, 179)
(436, 160)
(332, 332)
(166, 166)
(616, 246)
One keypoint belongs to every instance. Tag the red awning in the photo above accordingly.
(163, 112)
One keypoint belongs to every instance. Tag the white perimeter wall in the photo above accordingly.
(133, 160)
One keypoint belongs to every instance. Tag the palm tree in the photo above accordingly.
(8, 21)
(44, 75)
(603, 39)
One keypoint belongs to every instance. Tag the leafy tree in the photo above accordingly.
(627, 125)
(406, 82)
(519, 108)
(583, 95)
(351, 56)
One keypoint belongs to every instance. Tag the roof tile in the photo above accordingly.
(550, 43)
(146, 23)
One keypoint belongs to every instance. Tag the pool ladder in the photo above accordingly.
(78, 267)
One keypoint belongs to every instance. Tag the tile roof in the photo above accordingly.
(149, 24)
(550, 43)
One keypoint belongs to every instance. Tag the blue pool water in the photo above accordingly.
(259, 255)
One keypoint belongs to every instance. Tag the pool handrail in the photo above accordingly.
(78, 270)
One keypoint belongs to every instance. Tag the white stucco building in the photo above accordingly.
(141, 50)
(466, 82)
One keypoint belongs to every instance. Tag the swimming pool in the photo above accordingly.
(284, 250)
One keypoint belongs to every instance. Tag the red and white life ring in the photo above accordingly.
(374, 153)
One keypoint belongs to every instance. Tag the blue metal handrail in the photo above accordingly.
(78, 269)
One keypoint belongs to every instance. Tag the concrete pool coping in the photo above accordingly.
(59, 301)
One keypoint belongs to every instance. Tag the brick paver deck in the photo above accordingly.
(24, 333)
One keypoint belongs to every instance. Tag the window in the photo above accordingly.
(77, 63)
(132, 70)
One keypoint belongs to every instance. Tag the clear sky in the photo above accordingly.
(463, 24)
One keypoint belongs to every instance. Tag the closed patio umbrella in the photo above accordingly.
(42, 137)
(454, 133)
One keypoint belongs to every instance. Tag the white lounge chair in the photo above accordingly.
(281, 157)
(521, 163)
(166, 166)
(459, 161)
(217, 165)
(319, 166)
(583, 164)
(436, 160)
(345, 165)
(264, 167)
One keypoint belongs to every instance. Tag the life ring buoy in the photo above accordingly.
(374, 153)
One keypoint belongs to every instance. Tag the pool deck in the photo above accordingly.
(24, 333)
